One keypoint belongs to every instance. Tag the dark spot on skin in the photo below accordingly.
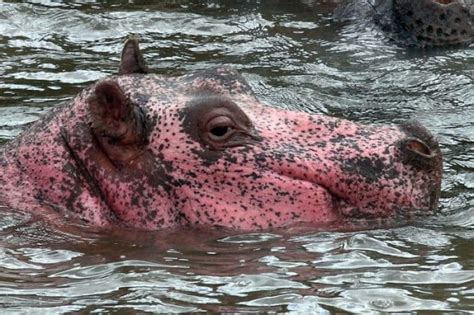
(369, 169)
(208, 157)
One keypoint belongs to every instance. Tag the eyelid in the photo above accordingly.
(220, 121)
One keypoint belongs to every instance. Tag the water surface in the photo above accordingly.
(294, 56)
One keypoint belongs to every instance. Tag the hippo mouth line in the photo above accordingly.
(341, 206)
(346, 209)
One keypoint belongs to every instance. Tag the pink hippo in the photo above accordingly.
(147, 151)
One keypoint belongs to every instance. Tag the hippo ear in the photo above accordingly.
(114, 117)
(132, 60)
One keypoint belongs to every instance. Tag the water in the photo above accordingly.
(295, 57)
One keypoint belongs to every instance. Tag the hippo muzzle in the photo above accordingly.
(151, 152)
(345, 170)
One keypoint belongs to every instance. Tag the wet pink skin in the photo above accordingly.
(284, 168)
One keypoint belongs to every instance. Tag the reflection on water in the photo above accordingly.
(295, 57)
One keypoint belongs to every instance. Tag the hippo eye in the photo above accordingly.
(220, 128)
(218, 123)
(219, 131)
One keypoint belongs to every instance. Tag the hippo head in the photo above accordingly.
(149, 152)
(431, 22)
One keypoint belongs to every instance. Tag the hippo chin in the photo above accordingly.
(148, 151)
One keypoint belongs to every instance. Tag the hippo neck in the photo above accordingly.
(16, 187)
(42, 170)
(3, 176)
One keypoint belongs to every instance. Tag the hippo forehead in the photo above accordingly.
(222, 81)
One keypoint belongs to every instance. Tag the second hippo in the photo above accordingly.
(419, 23)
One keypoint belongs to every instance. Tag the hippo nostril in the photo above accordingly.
(416, 152)
(418, 146)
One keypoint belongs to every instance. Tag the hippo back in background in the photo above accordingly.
(418, 23)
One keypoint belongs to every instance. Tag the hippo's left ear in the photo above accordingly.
(114, 119)
(132, 60)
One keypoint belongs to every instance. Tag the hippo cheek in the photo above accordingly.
(136, 194)
(243, 199)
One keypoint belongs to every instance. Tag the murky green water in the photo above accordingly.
(295, 57)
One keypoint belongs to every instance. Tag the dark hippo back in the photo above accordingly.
(431, 23)
(419, 23)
